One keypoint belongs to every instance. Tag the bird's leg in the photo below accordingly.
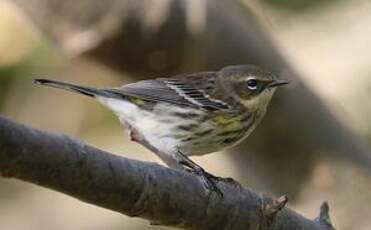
(180, 161)
(208, 178)
(134, 134)
(186, 161)
(139, 138)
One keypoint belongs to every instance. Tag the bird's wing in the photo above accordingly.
(191, 91)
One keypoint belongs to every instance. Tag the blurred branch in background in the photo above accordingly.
(140, 189)
(168, 36)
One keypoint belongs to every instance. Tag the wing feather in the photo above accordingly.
(195, 95)
(175, 91)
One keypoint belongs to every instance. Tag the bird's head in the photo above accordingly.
(251, 85)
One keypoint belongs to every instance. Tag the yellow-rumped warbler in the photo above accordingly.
(191, 114)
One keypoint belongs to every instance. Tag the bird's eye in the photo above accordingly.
(252, 84)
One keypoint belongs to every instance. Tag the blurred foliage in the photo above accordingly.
(41, 55)
(5, 80)
(299, 5)
(8, 75)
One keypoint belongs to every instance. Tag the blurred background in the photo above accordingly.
(314, 144)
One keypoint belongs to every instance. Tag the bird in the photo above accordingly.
(189, 114)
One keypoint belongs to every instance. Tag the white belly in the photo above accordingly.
(159, 127)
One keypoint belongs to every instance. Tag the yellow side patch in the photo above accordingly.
(137, 101)
(228, 121)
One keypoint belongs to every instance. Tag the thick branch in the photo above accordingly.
(135, 188)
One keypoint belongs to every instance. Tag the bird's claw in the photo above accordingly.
(208, 180)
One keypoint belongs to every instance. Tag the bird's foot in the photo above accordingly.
(209, 180)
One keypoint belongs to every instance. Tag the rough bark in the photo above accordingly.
(139, 189)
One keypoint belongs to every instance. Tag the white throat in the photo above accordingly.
(261, 101)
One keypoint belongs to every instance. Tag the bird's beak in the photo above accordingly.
(278, 82)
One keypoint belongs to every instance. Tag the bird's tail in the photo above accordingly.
(88, 91)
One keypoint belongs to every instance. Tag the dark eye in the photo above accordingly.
(252, 84)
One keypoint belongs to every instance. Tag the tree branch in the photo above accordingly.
(135, 188)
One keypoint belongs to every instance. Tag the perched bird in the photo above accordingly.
(187, 115)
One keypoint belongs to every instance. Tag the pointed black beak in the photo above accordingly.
(278, 82)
